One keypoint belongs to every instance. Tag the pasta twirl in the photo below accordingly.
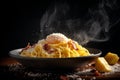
(55, 45)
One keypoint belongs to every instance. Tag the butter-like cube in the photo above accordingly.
(111, 58)
(101, 65)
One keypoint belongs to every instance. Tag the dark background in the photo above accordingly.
(21, 23)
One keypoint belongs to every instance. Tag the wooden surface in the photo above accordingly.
(11, 69)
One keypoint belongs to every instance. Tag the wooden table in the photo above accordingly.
(12, 70)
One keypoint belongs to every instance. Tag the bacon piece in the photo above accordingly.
(64, 77)
(28, 46)
(96, 73)
(72, 45)
(48, 49)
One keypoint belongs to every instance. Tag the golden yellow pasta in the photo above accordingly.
(55, 45)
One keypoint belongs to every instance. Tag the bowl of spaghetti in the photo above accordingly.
(54, 52)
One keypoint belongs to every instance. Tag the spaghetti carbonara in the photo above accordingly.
(56, 45)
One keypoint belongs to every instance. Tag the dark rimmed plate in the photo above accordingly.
(55, 63)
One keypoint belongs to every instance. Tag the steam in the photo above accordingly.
(94, 26)
(54, 20)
